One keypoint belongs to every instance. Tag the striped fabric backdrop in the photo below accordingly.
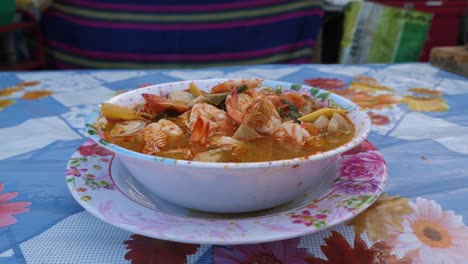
(180, 34)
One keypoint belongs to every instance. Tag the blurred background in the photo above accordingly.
(73, 34)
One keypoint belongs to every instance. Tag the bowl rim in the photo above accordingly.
(94, 116)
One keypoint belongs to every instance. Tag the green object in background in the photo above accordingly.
(375, 33)
(7, 11)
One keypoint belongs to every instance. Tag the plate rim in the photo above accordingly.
(247, 239)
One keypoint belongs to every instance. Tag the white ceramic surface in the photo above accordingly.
(230, 187)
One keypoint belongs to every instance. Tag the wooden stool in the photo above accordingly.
(452, 59)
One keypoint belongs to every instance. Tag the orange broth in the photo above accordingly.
(257, 150)
(272, 107)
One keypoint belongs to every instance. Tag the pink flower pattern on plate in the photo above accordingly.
(7, 210)
(357, 187)
(73, 170)
(362, 165)
(307, 218)
(90, 148)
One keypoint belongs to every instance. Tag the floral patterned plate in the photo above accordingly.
(107, 190)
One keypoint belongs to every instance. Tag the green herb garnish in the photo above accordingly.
(242, 88)
(289, 109)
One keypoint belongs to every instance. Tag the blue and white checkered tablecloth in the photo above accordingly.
(424, 142)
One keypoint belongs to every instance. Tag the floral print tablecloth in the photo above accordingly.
(420, 126)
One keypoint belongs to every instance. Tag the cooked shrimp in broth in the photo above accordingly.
(234, 121)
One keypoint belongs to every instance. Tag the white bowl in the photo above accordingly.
(229, 187)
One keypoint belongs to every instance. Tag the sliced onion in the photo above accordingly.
(199, 99)
(321, 122)
(245, 132)
(214, 99)
(127, 128)
(338, 124)
(344, 125)
(333, 126)
(180, 96)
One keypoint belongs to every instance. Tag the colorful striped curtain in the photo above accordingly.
(179, 34)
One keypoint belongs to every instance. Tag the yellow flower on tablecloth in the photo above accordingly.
(369, 101)
(387, 212)
(430, 235)
(426, 91)
(18, 87)
(33, 95)
(30, 83)
(365, 79)
(5, 103)
(10, 90)
(425, 104)
(369, 87)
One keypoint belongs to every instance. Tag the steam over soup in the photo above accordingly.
(237, 121)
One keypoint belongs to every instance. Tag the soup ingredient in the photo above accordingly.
(180, 96)
(336, 127)
(262, 116)
(194, 90)
(244, 132)
(338, 124)
(178, 153)
(161, 136)
(229, 86)
(328, 112)
(229, 143)
(115, 112)
(237, 122)
(126, 128)
(259, 114)
(206, 121)
(292, 132)
(321, 122)
(157, 104)
(212, 155)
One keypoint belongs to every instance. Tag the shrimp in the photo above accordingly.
(292, 132)
(158, 136)
(158, 104)
(236, 104)
(228, 86)
(206, 121)
(257, 113)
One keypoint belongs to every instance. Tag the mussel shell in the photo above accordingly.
(126, 128)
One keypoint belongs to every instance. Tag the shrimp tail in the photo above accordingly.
(159, 104)
(200, 132)
(232, 107)
(229, 86)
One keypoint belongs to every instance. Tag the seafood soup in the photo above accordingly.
(236, 121)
